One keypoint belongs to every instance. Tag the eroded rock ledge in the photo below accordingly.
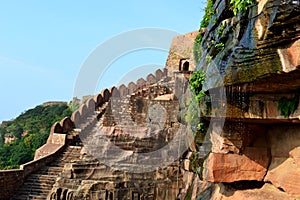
(255, 138)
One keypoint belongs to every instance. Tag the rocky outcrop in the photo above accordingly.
(284, 169)
(267, 192)
(252, 77)
(227, 168)
(268, 33)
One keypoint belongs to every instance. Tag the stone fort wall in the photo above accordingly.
(65, 131)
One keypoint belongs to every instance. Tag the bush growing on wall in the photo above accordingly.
(240, 6)
(196, 83)
(209, 12)
(288, 106)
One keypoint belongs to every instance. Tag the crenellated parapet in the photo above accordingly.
(66, 132)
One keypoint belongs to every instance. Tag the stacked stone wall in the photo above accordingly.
(10, 181)
(62, 133)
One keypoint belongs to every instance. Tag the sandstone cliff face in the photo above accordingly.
(260, 43)
(252, 61)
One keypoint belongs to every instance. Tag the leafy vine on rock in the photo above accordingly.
(288, 106)
(240, 6)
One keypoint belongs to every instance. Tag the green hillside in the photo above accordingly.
(34, 125)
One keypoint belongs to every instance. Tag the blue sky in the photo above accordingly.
(43, 44)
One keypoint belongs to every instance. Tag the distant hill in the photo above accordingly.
(28, 132)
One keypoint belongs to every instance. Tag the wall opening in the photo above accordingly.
(186, 66)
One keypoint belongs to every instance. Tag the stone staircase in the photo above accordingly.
(107, 159)
(91, 176)
(39, 184)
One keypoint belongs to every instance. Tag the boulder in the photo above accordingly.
(251, 165)
(286, 175)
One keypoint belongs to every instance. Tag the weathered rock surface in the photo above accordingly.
(267, 34)
(285, 175)
(267, 192)
(226, 168)
(253, 139)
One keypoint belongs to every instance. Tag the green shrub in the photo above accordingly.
(288, 106)
(197, 48)
(196, 83)
(220, 30)
(240, 6)
(196, 163)
(220, 46)
(193, 115)
(209, 12)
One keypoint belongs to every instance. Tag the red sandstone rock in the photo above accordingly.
(295, 154)
(289, 57)
(252, 165)
(286, 175)
(225, 139)
(267, 192)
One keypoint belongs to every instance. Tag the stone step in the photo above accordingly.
(69, 154)
(42, 185)
(68, 151)
(51, 171)
(41, 176)
(40, 197)
(74, 147)
(68, 157)
(39, 184)
(72, 184)
(63, 161)
(30, 197)
(34, 191)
